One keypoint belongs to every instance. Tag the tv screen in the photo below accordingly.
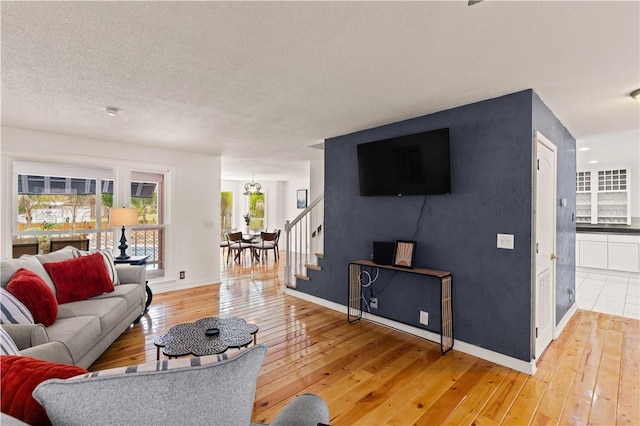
(415, 164)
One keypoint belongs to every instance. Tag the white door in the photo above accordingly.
(545, 244)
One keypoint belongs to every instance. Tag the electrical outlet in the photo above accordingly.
(571, 295)
(182, 275)
(373, 302)
(424, 318)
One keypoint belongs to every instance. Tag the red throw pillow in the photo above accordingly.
(79, 278)
(35, 294)
(19, 376)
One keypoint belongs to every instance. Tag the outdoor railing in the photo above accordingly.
(144, 240)
(148, 240)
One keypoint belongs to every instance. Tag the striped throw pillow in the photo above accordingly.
(162, 365)
(111, 266)
(7, 346)
(13, 311)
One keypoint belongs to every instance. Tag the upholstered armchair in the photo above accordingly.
(207, 390)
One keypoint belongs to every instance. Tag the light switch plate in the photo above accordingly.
(505, 241)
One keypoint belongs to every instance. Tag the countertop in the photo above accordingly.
(633, 229)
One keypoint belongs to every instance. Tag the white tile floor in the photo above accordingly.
(608, 294)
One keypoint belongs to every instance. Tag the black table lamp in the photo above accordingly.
(123, 217)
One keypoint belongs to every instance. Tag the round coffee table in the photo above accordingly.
(207, 336)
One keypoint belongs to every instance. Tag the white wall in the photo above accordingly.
(193, 194)
(316, 178)
(291, 209)
(614, 151)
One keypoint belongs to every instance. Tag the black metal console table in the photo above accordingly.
(446, 315)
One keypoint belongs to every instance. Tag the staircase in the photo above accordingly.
(304, 243)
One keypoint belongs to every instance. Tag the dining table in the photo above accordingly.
(250, 238)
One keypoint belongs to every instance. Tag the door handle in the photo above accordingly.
(554, 257)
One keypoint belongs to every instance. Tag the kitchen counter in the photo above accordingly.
(606, 228)
(608, 251)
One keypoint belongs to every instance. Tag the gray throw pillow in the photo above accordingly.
(8, 267)
(61, 255)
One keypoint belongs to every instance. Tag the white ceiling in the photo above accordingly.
(261, 82)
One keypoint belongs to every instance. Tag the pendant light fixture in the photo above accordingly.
(252, 188)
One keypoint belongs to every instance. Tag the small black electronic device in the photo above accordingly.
(383, 252)
(212, 332)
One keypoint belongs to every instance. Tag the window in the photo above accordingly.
(147, 239)
(68, 202)
(59, 207)
(256, 212)
(226, 212)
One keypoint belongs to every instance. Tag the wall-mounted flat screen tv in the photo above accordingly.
(415, 164)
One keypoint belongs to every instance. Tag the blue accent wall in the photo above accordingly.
(491, 166)
(546, 123)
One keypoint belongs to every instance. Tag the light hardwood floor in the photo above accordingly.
(373, 375)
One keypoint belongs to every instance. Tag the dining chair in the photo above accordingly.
(277, 250)
(225, 243)
(236, 245)
(267, 242)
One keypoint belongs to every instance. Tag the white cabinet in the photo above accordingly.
(624, 253)
(593, 251)
(613, 197)
(583, 197)
(602, 196)
(608, 251)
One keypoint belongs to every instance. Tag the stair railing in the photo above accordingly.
(303, 239)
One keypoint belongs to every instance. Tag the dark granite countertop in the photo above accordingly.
(608, 229)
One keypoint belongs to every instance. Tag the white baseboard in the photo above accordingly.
(458, 345)
(607, 272)
(171, 285)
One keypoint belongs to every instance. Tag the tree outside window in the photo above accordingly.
(59, 206)
(46, 202)
(226, 212)
(147, 209)
(256, 212)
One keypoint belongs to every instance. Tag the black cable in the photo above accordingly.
(424, 203)
(393, 277)
(415, 235)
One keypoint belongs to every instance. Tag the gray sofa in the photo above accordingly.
(85, 328)
(209, 391)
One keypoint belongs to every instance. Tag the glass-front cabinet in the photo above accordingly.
(602, 197)
(583, 197)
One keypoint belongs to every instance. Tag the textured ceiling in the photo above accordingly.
(261, 82)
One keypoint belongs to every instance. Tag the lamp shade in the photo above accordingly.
(123, 216)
